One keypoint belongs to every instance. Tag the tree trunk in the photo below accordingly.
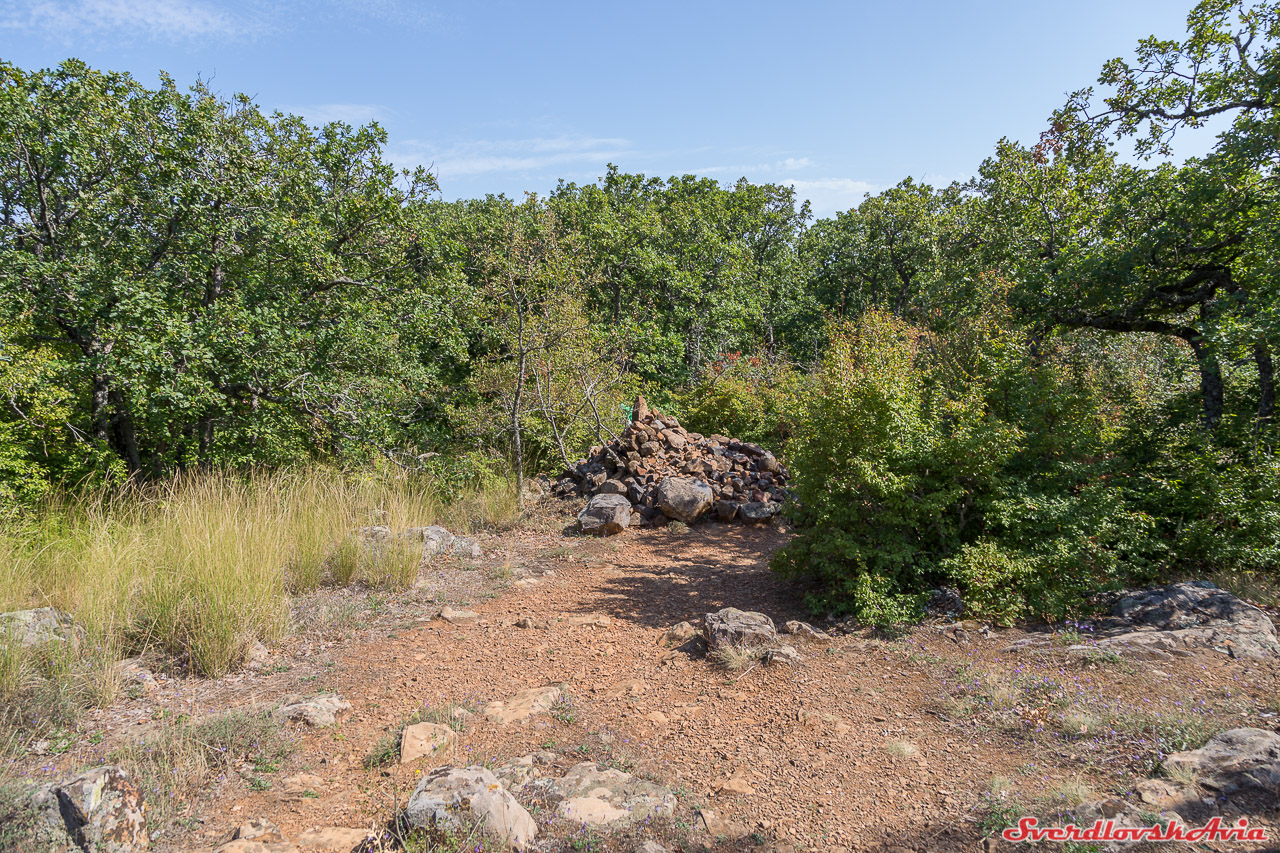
(1210, 381)
(1266, 384)
(125, 435)
(100, 409)
(205, 431)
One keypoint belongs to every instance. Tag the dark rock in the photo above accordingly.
(743, 628)
(605, 515)
(684, 498)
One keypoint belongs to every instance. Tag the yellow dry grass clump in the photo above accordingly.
(202, 565)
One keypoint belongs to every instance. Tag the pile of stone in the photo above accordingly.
(659, 471)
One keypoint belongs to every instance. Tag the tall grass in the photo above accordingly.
(202, 565)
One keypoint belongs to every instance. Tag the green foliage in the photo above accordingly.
(746, 397)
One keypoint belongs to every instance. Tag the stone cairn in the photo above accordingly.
(658, 471)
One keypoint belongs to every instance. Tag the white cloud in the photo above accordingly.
(155, 19)
(478, 157)
(828, 195)
(352, 114)
(790, 164)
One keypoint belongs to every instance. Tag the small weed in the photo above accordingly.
(258, 784)
(735, 658)
(902, 749)
(999, 813)
(1183, 774)
(1071, 792)
(563, 712)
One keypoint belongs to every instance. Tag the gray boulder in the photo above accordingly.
(1234, 762)
(1182, 617)
(100, 809)
(39, 626)
(740, 628)
(458, 797)
(758, 511)
(605, 515)
(684, 498)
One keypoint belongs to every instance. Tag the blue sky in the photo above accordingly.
(835, 98)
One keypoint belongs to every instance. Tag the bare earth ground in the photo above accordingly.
(868, 744)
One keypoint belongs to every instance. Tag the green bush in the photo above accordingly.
(887, 472)
(745, 397)
(1026, 476)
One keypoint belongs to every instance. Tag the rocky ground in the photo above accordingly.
(549, 683)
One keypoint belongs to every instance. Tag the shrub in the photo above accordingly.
(746, 397)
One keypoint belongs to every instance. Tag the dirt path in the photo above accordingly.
(866, 745)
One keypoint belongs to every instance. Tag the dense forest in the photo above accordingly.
(1054, 378)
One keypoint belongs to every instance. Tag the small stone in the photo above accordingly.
(804, 629)
(679, 634)
(523, 705)
(317, 711)
(256, 657)
(782, 655)
(613, 487)
(459, 617)
(426, 739)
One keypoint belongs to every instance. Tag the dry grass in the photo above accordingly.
(735, 658)
(902, 749)
(1071, 792)
(183, 757)
(199, 567)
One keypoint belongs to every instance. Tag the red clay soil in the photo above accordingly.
(915, 743)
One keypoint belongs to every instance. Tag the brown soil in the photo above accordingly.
(868, 744)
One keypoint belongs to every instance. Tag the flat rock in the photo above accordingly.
(101, 810)
(316, 711)
(245, 845)
(741, 628)
(609, 797)
(1177, 620)
(523, 705)
(259, 829)
(1234, 763)
(459, 617)
(333, 839)
(1124, 816)
(1198, 614)
(708, 821)
(426, 739)
(451, 795)
(300, 783)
